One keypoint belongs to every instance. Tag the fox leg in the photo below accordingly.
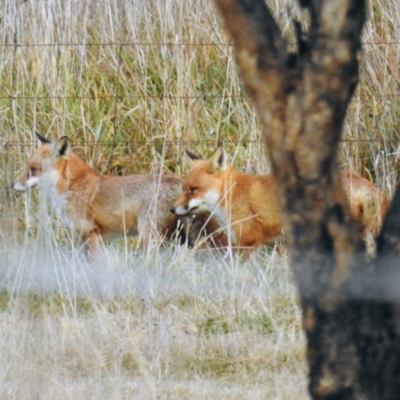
(91, 243)
(144, 226)
(245, 253)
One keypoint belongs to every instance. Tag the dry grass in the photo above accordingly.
(116, 78)
(172, 325)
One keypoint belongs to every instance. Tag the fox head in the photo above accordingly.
(203, 187)
(45, 164)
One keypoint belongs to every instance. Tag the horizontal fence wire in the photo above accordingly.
(10, 150)
(132, 44)
(165, 97)
(7, 144)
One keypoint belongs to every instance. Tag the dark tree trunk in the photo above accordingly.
(350, 305)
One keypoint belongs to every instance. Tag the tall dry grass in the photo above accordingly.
(129, 325)
(134, 83)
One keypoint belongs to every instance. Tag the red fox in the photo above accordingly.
(248, 207)
(102, 205)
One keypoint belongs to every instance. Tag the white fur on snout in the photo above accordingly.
(195, 204)
(31, 183)
(181, 210)
(206, 203)
(19, 187)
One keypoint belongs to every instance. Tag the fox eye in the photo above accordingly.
(192, 190)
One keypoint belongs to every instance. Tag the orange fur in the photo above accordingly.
(368, 205)
(102, 205)
(248, 205)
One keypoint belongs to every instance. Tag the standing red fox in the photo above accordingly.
(101, 205)
(248, 206)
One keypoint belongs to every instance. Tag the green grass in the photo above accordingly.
(130, 85)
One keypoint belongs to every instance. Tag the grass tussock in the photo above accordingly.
(133, 84)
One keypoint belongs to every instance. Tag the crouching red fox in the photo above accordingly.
(248, 206)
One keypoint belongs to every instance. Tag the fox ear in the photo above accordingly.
(42, 138)
(218, 160)
(192, 156)
(62, 147)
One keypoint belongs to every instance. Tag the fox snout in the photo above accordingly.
(179, 210)
(23, 185)
(18, 186)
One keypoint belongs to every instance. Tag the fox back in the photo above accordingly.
(102, 205)
(368, 205)
(248, 205)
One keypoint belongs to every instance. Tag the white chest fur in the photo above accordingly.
(221, 213)
(58, 200)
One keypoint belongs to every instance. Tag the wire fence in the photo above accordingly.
(13, 96)
(14, 149)
(182, 142)
(180, 44)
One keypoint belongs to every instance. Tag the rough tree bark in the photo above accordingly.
(350, 304)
